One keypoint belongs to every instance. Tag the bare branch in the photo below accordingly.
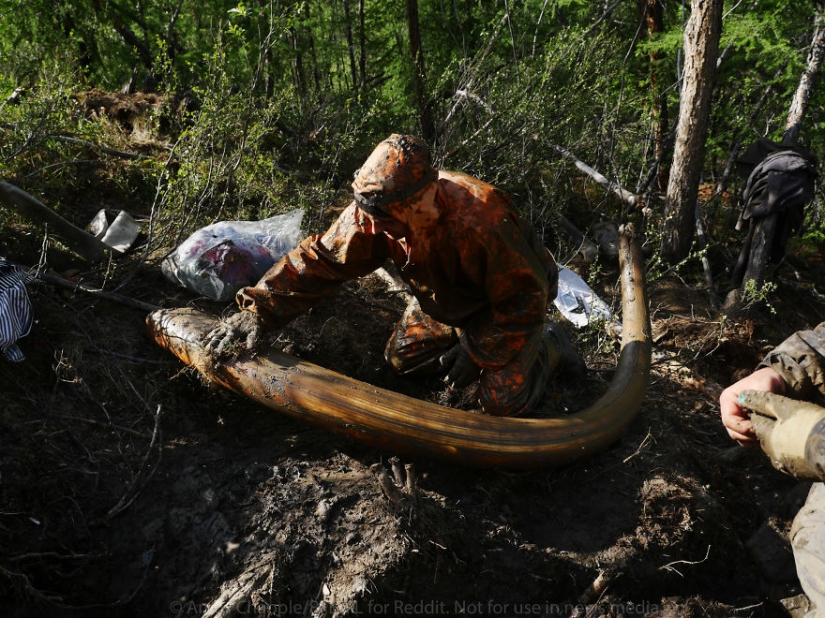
(83, 243)
(79, 287)
(625, 195)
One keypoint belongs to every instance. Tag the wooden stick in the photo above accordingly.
(103, 149)
(83, 243)
(79, 287)
(625, 195)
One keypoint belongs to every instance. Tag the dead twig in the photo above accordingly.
(669, 565)
(91, 421)
(52, 555)
(21, 581)
(640, 447)
(79, 287)
(103, 149)
(142, 477)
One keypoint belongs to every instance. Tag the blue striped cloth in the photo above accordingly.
(15, 309)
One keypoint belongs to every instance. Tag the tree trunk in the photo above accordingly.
(651, 12)
(350, 46)
(362, 47)
(803, 92)
(701, 46)
(425, 118)
(300, 77)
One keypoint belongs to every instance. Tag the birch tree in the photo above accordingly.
(802, 96)
(701, 43)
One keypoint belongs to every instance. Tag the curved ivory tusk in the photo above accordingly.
(398, 423)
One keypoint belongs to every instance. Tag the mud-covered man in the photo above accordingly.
(796, 368)
(480, 279)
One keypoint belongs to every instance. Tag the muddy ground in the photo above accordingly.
(129, 487)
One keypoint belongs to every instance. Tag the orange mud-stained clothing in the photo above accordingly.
(480, 269)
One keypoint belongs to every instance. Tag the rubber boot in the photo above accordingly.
(568, 361)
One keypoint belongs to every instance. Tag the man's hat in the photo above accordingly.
(397, 169)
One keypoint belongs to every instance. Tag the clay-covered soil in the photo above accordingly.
(132, 488)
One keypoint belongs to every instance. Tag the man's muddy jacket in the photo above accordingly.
(481, 269)
(800, 360)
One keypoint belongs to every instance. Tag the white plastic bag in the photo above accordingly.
(577, 302)
(220, 259)
(118, 234)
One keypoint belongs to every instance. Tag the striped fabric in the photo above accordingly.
(15, 309)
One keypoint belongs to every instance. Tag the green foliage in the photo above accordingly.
(286, 97)
(753, 295)
(28, 129)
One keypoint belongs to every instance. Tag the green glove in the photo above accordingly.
(791, 432)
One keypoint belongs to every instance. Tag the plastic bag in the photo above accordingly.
(577, 302)
(220, 259)
(119, 234)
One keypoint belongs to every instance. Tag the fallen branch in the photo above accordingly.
(79, 287)
(141, 478)
(623, 194)
(669, 565)
(104, 149)
(83, 243)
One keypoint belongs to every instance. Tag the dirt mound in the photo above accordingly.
(141, 115)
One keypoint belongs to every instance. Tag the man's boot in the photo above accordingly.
(569, 363)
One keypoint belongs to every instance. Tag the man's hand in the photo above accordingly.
(735, 418)
(462, 370)
(238, 333)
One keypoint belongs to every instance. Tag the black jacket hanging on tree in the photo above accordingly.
(780, 181)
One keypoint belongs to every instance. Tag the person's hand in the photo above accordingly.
(735, 418)
(238, 333)
(462, 370)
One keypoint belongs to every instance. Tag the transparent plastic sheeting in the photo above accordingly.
(220, 259)
(577, 302)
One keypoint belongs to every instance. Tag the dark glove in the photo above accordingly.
(462, 370)
(238, 333)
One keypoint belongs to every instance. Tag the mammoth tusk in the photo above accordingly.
(402, 424)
